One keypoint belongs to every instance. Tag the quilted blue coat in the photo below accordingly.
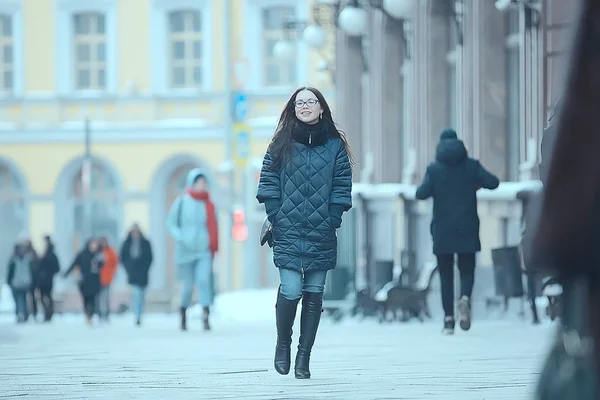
(316, 178)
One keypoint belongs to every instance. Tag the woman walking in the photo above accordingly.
(88, 264)
(136, 256)
(192, 222)
(305, 184)
(47, 267)
(20, 279)
(110, 260)
(34, 292)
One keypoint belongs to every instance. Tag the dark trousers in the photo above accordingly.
(47, 302)
(89, 304)
(466, 268)
(33, 300)
(14, 296)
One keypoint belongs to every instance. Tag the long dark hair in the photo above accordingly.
(280, 147)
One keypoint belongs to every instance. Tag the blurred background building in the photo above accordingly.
(408, 69)
(105, 105)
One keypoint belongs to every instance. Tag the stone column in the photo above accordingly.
(429, 33)
(427, 72)
(489, 98)
(466, 78)
(349, 109)
(385, 93)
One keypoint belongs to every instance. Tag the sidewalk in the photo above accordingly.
(352, 360)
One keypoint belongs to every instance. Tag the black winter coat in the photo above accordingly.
(453, 180)
(89, 265)
(137, 268)
(317, 178)
(46, 268)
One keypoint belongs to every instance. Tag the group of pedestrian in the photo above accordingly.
(96, 264)
(31, 278)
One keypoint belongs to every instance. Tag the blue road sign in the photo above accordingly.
(241, 132)
(239, 106)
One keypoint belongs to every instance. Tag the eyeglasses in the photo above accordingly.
(309, 102)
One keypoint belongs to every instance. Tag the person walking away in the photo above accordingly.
(452, 180)
(20, 279)
(192, 222)
(136, 256)
(107, 274)
(47, 267)
(88, 264)
(305, 185)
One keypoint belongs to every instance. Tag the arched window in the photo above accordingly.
(97, 213)
(13, 213)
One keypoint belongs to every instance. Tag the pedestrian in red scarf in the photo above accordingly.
(192, 222)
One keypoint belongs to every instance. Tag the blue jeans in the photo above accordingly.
(198, 272)
(293, 283)
(104, 302)
(22, 310)
(138, 298)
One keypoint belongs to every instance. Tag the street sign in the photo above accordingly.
(239, 107)
(241, 136)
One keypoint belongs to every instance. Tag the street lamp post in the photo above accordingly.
(86, 180)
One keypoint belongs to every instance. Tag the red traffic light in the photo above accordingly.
(239, 217)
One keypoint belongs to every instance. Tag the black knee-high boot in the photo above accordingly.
(182, 312)
(309, 323)
(285, 313)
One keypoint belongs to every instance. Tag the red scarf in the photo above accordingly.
(211, 218)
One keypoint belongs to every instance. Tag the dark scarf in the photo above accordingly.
(310, 134)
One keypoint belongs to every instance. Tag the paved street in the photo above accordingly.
(352, 360)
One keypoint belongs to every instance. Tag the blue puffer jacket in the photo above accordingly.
(316, 180)
(186, 223)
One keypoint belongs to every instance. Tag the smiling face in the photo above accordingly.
(307, 107)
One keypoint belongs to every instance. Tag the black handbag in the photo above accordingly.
(570, 369)
(266, 233)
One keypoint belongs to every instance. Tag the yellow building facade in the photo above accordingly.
(149, 77)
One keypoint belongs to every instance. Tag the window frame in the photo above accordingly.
(188, 38)
(15, 13)
(253, 42)
(91, 41)
(65, 77)
(160, 58)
